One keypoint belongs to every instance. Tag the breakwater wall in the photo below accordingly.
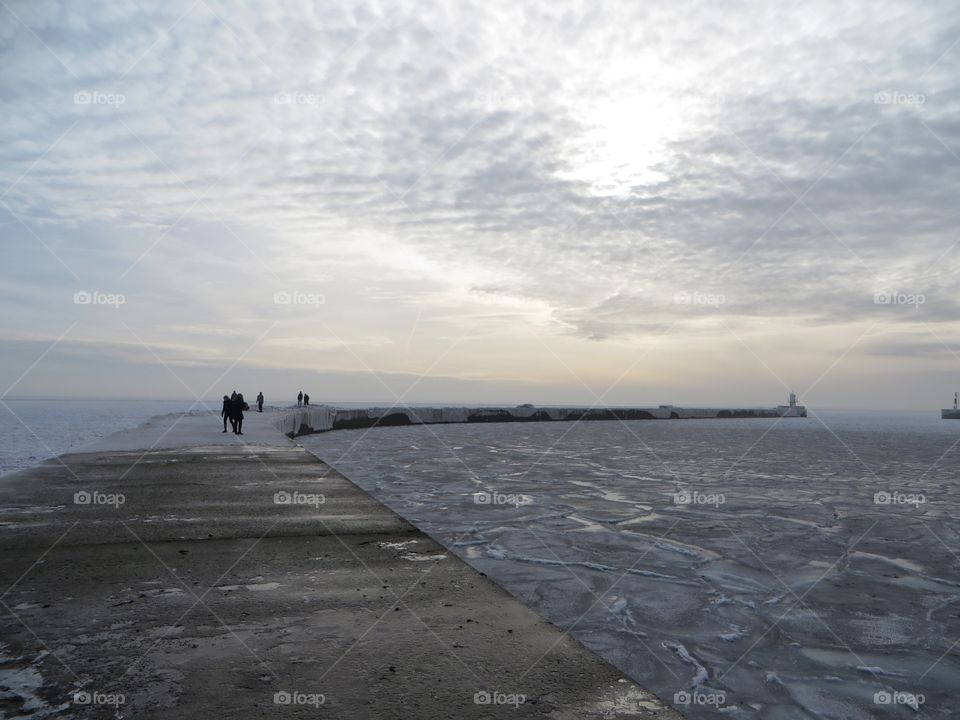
(323, 418)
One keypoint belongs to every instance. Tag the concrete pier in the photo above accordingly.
(177, 572)
(322, 418)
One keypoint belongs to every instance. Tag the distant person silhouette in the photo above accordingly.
(260, 401)
(300, 398)
(238, 407)
(227, 412)
(306, 399)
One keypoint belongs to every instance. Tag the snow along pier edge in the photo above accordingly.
(323, 418)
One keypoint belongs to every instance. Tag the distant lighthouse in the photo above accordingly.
(792, 408)
(954, 412)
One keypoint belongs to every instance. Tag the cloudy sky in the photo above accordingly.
(620, 202)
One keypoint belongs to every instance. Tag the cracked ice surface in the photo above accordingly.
(783, 588)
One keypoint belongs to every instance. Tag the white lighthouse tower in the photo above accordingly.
(792, 408)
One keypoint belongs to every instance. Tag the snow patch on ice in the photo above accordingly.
(257, 587)
(24, 682)
(417, 557)
(501, 554)
(901, 563)
(700, 675)
(496, 552)
(735, 633)
(396, 545)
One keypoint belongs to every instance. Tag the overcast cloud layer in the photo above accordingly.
(686, 201)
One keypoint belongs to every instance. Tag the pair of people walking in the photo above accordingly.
(233, 407)
(302, 399)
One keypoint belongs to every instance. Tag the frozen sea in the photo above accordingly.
(34, 430)
(777, 569)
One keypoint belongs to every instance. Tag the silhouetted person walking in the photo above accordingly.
(227, 412)
(260, 401)
(238, 408)
(300, 398)
(306, 399)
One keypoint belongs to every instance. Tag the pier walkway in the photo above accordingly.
(178, 572)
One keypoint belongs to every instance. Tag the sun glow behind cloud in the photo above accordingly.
(625, 143)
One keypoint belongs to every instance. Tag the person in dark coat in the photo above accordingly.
(227, 412)
(260, 401)
(238, 408)
(306, 399)
(300, 398)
